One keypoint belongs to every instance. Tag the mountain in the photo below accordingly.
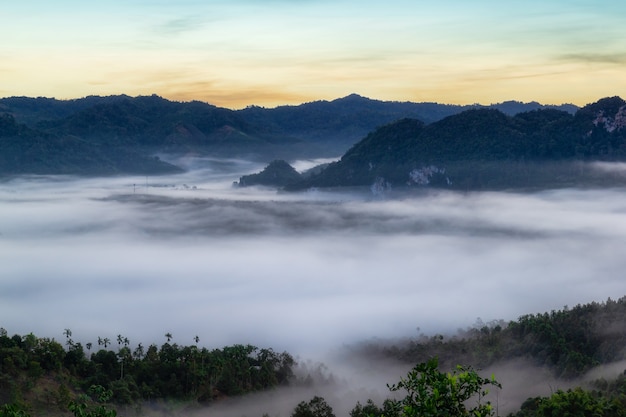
(23, 150)
(484, 148)
(277, 174)
(340, 123)
(152, 122)
(121, 134)
(115, 135)
(512, 107)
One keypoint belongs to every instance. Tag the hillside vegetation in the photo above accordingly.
(41, 374)
(569, 341)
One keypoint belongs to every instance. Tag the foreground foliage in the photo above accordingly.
(434, 393)
(431, 393)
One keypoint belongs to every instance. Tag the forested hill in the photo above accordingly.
(568, 342)
(29, 151)
(346, 120)
(120, 134)
(43, 375)
(484, 148)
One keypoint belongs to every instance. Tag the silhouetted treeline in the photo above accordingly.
(569, 341)
(169, 371)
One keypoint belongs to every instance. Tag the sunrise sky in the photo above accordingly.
(234, 53)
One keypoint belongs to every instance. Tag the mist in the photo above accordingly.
(306, 272)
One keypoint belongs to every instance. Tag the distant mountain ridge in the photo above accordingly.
(120, 134)
(343, 120)
(484, 148)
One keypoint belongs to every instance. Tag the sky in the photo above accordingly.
(235, 53)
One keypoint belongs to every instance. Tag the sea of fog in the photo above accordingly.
(306, 272)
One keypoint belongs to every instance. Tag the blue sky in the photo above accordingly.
(241, 52)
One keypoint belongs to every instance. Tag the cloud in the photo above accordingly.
(306, 272)
(616, 58)
(175, 26)
(180, 25)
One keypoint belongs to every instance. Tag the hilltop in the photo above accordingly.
(485, 148)
(122, 134)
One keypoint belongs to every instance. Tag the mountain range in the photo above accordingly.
(122, 134)
(484, 148)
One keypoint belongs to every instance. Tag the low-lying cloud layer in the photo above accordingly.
(193, 255)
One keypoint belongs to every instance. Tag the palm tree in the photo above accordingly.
(168, 335)
(106, 341)
(138, 353)
(124, 354)
(196, 339)
(68, 335)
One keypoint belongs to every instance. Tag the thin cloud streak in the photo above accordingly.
(179, 25)
(595, 58)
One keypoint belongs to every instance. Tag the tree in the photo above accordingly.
(49, 354)
(124, 354)
(433, 393)
(75, 358)
(168, 336)
(570, 403)
(80, 408)
(317, 407)
(368, 410)
(139, 351)
(68, 335)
